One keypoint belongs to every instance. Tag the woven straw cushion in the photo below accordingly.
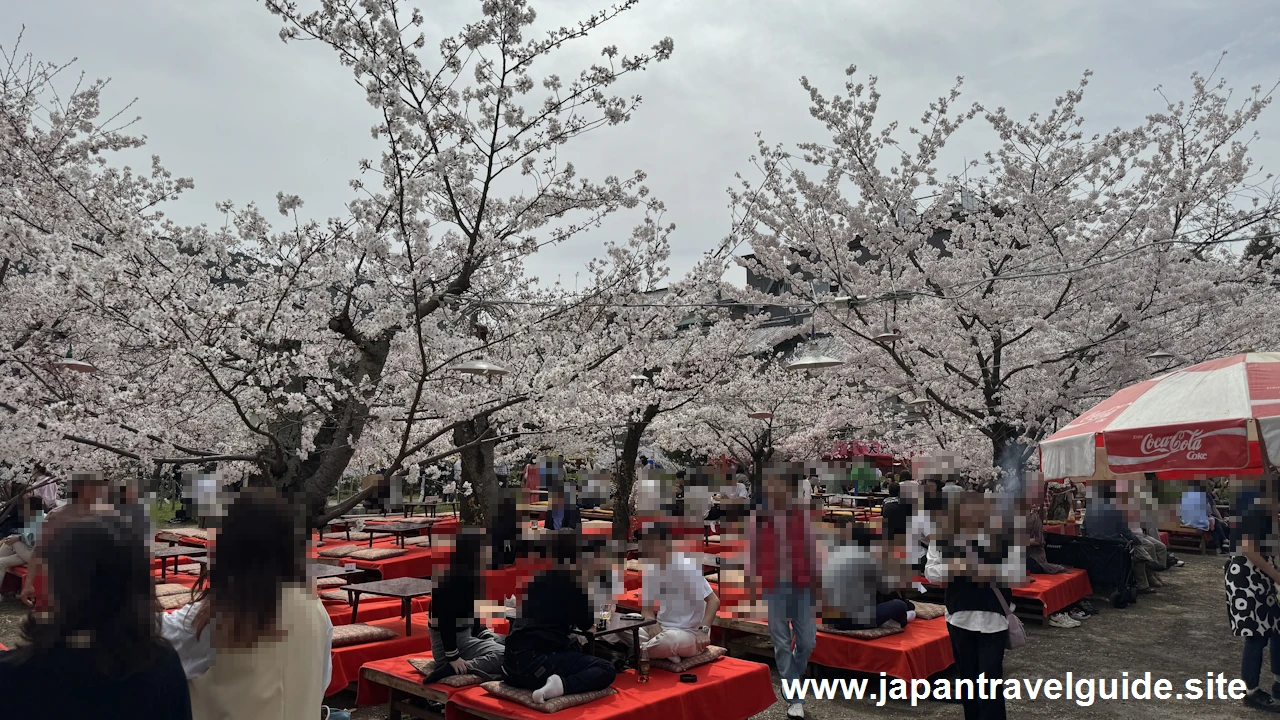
(426, 665)
(634, 565)
(335, 595)
(929, 611)
(338, 552)
(331, 582)
(711, 654)
(193, 568)
(170, 602)
(171, 589)
(343, 536)
(525, 697)
(359, 634)
(420, 541)
(195, 532)
(376, 553)
(868, 634)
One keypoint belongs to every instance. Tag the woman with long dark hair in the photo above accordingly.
(977, 557)
(256, 642)
(95, 650)
(460, 644)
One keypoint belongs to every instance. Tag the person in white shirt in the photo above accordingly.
(678, 596)
(257, 641)
(920, 526)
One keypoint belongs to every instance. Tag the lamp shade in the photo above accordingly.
(813, 362)
(761, 415)
(887, 336)
(480, 367)
(70, 363)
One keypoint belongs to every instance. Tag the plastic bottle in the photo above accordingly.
(643, 676)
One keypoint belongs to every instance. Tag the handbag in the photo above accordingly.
(1017, 633)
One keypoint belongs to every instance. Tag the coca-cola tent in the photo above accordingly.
(1205, 419)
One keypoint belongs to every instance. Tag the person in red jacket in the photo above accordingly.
(782, 566)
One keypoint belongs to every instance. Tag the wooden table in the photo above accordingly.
(175, 553)
(341, 523)
(405, 588)
(617, 625)
(403, 689)
(425, 503)
(400, 530)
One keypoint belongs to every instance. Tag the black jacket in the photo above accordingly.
(453, 610)
(1105, 521)
(893, 516)
(60, 684)
(965, 594)
(554, 604)
(572, 519)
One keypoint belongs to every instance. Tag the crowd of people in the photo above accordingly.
(256, 639)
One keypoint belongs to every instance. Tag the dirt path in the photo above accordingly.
(1179, 633)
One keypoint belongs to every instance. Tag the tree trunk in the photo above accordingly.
(477, 469)
(624, 476)
(1009, 456)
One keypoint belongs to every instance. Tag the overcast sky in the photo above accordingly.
(225, 102)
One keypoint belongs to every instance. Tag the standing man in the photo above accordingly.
(782, 566)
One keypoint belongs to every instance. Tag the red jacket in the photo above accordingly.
(774, 561)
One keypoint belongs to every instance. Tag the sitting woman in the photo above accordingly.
(541, 655)
(16, 549)
(460, 644)
(95, 652)
(857, 589)
(257, 641)
(1037, 561)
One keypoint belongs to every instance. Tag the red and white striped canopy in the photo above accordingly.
(1203, 419)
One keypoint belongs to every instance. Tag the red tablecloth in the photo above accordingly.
(730, 595)
(372, 607)
(1063, 528)
(501, 584)
(12, 580)
(921, 650)
(1164, 537)
(347, 660)
(417, 562)
(726, 547)
(727, 689)
(1056, 592)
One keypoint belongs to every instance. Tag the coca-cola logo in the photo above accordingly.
(1183, 441)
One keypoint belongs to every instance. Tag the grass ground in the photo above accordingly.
(1180, 632)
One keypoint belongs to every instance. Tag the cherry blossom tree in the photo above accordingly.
(299, 348)
(1008, 298)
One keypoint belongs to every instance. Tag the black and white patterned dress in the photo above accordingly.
(1251, 599)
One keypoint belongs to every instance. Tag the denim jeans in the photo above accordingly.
(793, 629)
(1251, 662)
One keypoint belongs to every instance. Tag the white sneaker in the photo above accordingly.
(1061, 620)
(795, 710)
